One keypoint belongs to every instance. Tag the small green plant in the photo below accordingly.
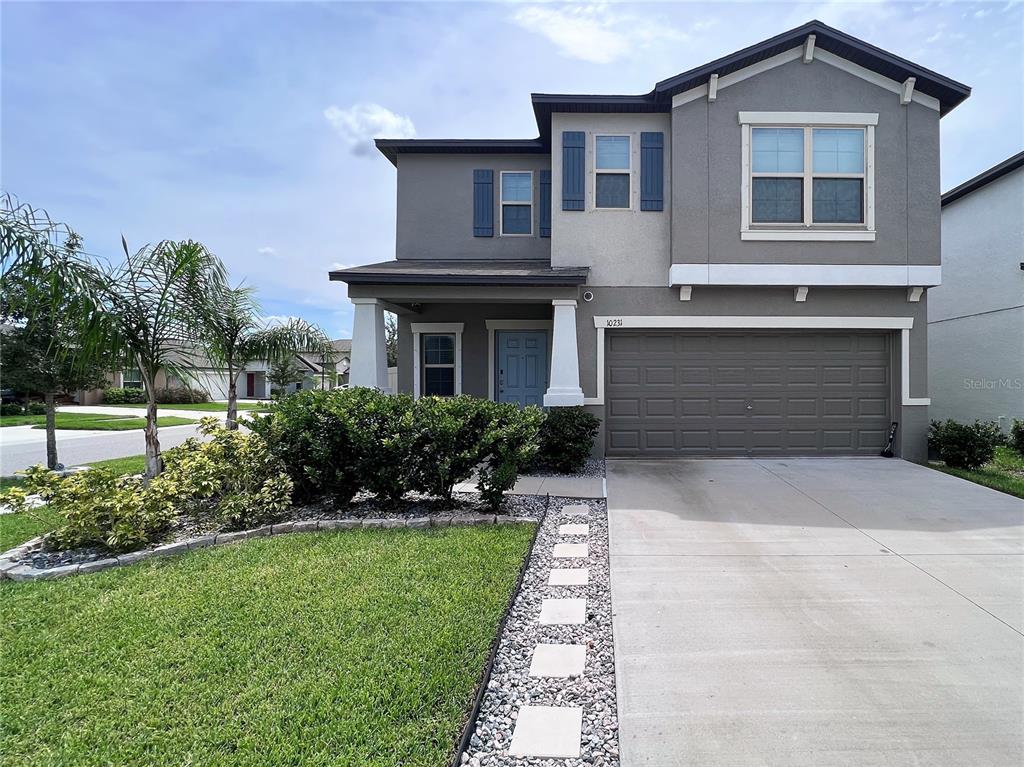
(964, 446)
(98, 508)
(36, 408)
(1016, 440)
(566, 439)
(11, 408)
(510, 445)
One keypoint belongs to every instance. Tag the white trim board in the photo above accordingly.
(450, 328)
(797, 53)
(858, 119)
(493, 325)
(758, 322)
(814, 275)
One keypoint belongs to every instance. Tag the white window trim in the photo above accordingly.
(631, 172)
(493, 325)
(435, 328)
(807, 230)
(814, 275)
(741, 322)
(502, 204)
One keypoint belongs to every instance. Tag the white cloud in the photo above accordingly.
(594, 32)
(360, 124)
(266, 250)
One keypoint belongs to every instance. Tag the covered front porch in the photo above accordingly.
(496, 330)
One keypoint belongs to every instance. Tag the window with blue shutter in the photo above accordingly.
(483, 203)
(545, 203)
(652, 171)
(573, 171)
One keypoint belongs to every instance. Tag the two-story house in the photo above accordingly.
(735, 263)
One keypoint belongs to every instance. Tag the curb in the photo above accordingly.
(16, 571)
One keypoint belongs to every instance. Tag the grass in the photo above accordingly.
(78, 421)
(210, 407)
(1005, 472)
(359, 647)
(18, 528)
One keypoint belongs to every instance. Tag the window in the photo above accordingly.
(612, 172)
(516, 202)
(131, 378)
(438, 365)
(781, 180)
(808, 176)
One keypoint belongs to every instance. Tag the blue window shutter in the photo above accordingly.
(652, 171)
(573, 175)
(483, 203)
(545, 203)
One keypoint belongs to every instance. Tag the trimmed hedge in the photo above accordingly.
(566, 439)
(338, 443)
(171, 395)
(119, 395)
(965, 446)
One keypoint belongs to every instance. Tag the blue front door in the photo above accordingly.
(521, 373)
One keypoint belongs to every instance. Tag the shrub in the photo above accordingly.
(1017, 436)
(311, 434)
(566, 439)
(510, 445)
(232, 473)
(119, 395)
(11, 408)
(181, 395)
(382, 432)
(36, 408)
(964, 446)
(99, 508)
(449, 441)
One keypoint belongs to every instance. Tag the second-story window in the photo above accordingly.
(807, 176)
(612, 172)
(516, 202)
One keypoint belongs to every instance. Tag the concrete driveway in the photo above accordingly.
(815, 612)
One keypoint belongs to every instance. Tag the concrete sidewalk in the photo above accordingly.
(799, 612)
(567, 487)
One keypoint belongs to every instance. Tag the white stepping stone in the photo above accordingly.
(574, 530)
(569, 576)
(557, 612)
(558, 660)
(547, 731)
(570, 551)
(576, 510)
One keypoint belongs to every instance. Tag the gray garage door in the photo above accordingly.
(746, 393)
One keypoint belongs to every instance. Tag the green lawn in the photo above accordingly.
(91, 421)
(358, 648)
(18, 528)
(1005, 472)
(211, 407)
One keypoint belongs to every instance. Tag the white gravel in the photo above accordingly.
(510, 686)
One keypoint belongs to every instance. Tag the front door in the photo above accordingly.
(522, 366)
(250, 385)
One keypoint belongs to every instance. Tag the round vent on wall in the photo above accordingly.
(588, 296)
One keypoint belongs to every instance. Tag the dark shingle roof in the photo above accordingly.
(491, 272)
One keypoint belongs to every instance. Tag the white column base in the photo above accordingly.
(564, 387)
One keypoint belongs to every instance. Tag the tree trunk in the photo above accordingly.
(232, 419)
(51, 431)
(154, 462)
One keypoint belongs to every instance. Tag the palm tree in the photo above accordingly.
(154, 312)
(234, 335)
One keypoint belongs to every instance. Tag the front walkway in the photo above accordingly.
(815, 612)
(568, 487)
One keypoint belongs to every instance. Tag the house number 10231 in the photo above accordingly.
(613, 322)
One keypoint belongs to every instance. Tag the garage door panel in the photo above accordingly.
(740, 393)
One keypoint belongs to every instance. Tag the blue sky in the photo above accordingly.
(247, 126)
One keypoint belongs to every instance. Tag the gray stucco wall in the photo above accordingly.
(435, 208)
(621, 247)
(707, 170)
(976, 330)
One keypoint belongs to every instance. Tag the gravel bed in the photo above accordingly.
(510, 687)
(187, 526)
(594, 467)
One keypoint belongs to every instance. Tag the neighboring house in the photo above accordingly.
(735, 263)
(343, 358)
(976, 317)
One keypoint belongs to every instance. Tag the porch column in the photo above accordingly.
(564, 389)
(369, 364)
